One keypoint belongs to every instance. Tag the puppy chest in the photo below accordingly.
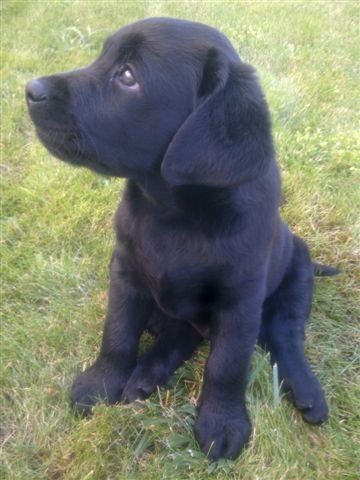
(189, 292)
(182, 272)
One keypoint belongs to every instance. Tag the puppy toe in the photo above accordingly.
(134, 392)
(80, 400)
(312, 405)
(143, 383)
(100, 382)
(222, 436)
(317, 414)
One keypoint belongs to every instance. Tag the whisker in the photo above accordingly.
(92, 141)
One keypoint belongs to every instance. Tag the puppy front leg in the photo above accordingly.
(223, 426)
(128, 310)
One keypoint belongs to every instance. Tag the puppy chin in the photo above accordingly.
(69, 148)
(60, 145)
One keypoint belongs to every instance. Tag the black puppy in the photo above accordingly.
(201, 249)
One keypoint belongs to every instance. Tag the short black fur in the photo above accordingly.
(201, 250)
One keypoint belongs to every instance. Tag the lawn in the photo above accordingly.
(57, 239)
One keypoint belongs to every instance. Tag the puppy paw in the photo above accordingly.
(308, 397)
(313, 408)
(143, 382)
(222, 435)
(102, 382)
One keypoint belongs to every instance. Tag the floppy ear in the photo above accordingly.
(227, 139)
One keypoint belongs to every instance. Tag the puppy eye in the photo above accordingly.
(126, 77)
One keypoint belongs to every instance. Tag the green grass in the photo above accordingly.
(57, 239)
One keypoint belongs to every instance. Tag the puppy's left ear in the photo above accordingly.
(227, 139)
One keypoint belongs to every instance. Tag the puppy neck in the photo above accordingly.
(155, 191)
(200, 203)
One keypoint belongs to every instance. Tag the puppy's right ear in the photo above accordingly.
(227, 140)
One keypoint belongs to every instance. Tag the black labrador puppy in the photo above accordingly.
(201, 250)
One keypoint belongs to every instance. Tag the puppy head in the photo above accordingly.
(164, 95)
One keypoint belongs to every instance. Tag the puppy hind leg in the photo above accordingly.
(175, 343)
(282, 333)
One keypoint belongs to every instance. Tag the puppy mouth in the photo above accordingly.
(65, 144)
(71, 146)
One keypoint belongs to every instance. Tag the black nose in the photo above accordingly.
(36, 91)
